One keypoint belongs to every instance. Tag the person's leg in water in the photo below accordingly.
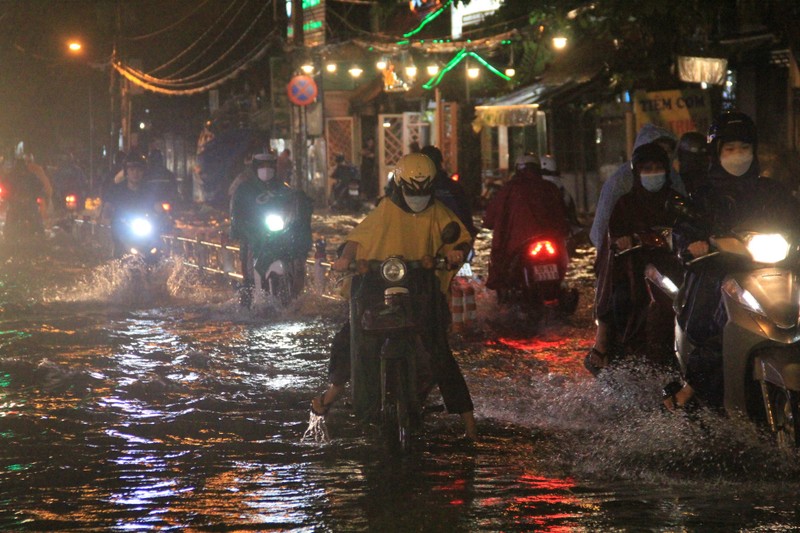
(338, 372)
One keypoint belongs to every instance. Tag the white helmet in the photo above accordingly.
(549, 166)
(414, 174)
(527, 159)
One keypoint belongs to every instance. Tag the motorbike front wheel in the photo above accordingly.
(784, 404)
(396, 413)
(280, 288)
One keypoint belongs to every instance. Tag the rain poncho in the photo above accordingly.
(622, 181)
(389, 230)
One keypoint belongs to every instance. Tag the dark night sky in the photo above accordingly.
(46, 92)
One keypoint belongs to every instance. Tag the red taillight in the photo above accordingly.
(71, 200)
(455, 177)
(542, 249)
(165, 206)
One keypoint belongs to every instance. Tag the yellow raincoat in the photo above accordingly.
(389, 230)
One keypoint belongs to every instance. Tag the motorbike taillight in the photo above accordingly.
(542, 249)
(71, 201)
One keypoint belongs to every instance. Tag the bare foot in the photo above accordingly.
(470, 426)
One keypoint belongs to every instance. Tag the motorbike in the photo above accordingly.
(761, 338)
(643, 315)
(138, 233)
(347, 195)
(393, 310)
(537, 270)
(282, 273)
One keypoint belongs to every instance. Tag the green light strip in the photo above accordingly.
(436, 80)
(428, 19)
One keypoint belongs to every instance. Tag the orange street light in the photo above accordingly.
(74, 47)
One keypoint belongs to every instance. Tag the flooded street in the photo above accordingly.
(123, 409)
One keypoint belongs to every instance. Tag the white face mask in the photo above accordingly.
(736, 164)
(653, 182)
(417, 203)
(266, 173)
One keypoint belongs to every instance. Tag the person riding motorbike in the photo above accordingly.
(692, 157)
(408, 225)
(525, 206)
(259, 191)
(450, 192)
(735, 193)
(343, 174)
(619, 183)
(551, 173)
(623, 299)
(128, 196)
(22, 187)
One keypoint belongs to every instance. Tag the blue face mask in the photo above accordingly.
(653, 182)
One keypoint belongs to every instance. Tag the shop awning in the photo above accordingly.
(579, 71)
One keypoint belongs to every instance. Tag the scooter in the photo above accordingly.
(393, 307)
(537, 270)
(347, 195)
(138, 233)
(761, 338)
(282, 275)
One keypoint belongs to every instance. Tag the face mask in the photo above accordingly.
(654, 182)
(417, 203)
(266, 173)
(736, 164)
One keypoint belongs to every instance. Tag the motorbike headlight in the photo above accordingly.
(393, 269)
(141, 227)
(767, 247)
(275, 222)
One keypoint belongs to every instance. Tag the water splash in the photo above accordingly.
(317, 430)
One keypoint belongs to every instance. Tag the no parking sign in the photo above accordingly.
(302, 90)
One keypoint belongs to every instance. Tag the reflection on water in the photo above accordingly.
(181, 411)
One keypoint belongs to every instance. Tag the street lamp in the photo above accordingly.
(559, 42)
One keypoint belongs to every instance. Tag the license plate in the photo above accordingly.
(353, 192)
(545, 272)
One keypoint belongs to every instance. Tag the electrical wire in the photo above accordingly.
(189, 79)
(197, 41)
(136, 77)
(171, 26)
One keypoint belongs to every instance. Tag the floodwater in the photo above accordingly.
(168, 408)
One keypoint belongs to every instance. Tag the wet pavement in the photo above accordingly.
(167, 407)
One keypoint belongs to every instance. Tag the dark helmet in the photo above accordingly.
(650, 152)
(339, 158)
(692, 153)
(135, 159)
(434, 153)
(731, 126)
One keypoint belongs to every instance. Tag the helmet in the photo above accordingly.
(434, 153)
(135, 159)
(693, 142)
(265, 158)
(549, 166)
(527, 159)
(414, 173)
(731, 126)
(650, 152)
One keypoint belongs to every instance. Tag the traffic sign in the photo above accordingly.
(302, 90)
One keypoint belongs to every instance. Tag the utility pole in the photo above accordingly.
(299, 112)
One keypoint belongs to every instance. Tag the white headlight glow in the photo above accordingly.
(275, 222)
(767, 247)
(141, 227)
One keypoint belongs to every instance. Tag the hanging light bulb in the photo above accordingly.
(308, 68)
(432, 70)
(411, 71)
(510, 71)
(355, 71)
(559, 42)
(381, 64)
(331, 67)
(473, 72)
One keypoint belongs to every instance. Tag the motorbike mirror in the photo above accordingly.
(451, 232)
